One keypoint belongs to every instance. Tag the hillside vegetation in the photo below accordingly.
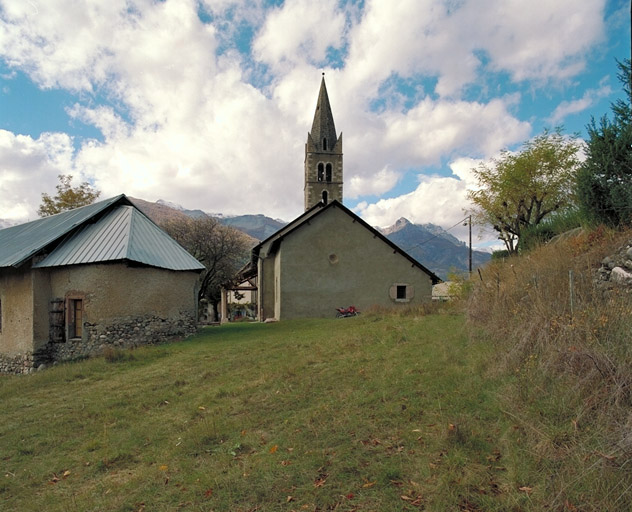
(566, 336)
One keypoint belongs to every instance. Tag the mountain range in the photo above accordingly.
(431, 245)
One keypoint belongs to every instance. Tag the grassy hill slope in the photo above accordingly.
(373, 413)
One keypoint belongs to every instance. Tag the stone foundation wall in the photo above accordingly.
(21, 363)
(123, 333)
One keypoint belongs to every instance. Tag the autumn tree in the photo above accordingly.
(604, 181)
(221, 249)
(68, 197)
(520, 189)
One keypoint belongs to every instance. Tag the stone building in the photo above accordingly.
(323, 155)
(78, 281)
(329, 257)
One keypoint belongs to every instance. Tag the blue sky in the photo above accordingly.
(207, 103)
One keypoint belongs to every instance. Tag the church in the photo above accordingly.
(329, 257)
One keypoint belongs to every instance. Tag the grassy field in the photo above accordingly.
(378, 412)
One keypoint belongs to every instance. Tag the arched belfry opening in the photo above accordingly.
(323, 155)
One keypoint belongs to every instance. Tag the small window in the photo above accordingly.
(325, 144)
(324, 197)
(328, 173)
(401, 292)
(75, 318)
(321, 172)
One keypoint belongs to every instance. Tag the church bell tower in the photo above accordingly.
(323, 155)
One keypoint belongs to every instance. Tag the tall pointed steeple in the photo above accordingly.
(323, 155)
(323, 128)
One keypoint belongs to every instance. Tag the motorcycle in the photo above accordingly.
(346, 312)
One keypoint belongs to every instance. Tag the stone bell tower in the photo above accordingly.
(323, 155)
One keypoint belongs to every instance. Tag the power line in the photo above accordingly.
(439, 234)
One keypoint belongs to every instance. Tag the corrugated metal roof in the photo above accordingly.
(19, 243)
(124, 233)
(111, 230)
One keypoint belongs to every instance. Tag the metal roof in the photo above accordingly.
(19, 243)
(114, 230)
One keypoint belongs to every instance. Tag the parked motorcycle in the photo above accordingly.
(346, 312)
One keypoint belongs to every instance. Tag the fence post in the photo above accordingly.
(571, 290)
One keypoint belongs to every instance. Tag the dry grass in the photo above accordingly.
(568, 343)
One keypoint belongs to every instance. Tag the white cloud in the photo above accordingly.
(300, 31)
(590, 97)
(27, 168)
(378, 184)
(181, 121)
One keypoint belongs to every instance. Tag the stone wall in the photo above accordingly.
(128, 332)
(124, 333)
(20, 363)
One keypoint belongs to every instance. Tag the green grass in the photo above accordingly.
(375, 413)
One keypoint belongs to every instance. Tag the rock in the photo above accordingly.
(41, 367)
(608, 262)
(618, 275)
(628, 253)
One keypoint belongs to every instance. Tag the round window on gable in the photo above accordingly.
(333, 259)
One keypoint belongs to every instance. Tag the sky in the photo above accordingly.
(207, 103)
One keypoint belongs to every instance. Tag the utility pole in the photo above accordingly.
(469, 223)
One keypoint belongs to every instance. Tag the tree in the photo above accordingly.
(68, 197)
(519, 190)
(604, 181)
(221, 249)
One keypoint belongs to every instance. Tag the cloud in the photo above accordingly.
(300, 31)
(26, 164)
(178, 99)
(590, 97)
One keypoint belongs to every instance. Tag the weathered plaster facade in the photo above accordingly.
(335, 260)
(123, 306)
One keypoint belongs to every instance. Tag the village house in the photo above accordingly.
(101, 275)
(329, 257)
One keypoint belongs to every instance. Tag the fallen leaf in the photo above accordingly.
(286, 462)
(368, 484)
(289, 498)
(274, 448)
(208, 493)
(526, 489)
(66, 473)
(202, 408)
(349, 496)
(319, 482)
(164, 467)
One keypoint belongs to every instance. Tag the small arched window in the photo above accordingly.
(324, 197)
(328, 173)
(325, 143)
(321, 172)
